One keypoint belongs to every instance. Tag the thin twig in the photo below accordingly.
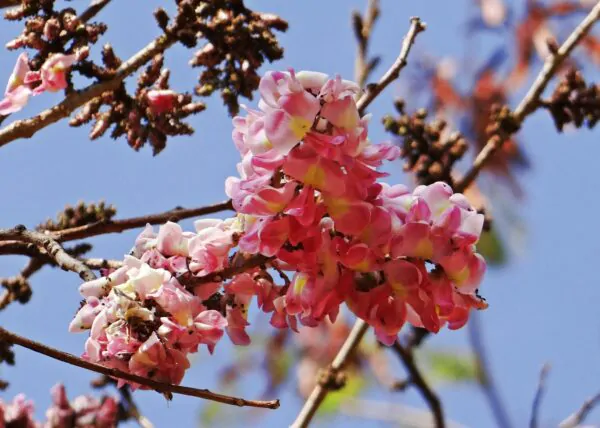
(117, 226)
(421, 384)
(9, 3)
(132, 408)
(484, 373)
(93, 9)
(579, 416)
(51, 247)
(531, 100)
(26, 128)
(164, 388)
(363, 27)
(320, 391)
(416, 26)
(539, 394)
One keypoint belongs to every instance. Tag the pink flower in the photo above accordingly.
(17, 92)
(53, 73)
(161, 100)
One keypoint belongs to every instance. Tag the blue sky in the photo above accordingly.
(542, 305)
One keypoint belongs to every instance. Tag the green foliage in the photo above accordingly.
(492, 248)
(355, 384)
(450, 366)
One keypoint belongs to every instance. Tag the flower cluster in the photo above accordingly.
(84, 411)
(23, 82)
(142, 319)
(310, 206)
(309, 196)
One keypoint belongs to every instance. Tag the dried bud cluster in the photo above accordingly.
(48, 30)
(79, 215)
(574, 102)
(152, 114)
(238, 41)
(429, 151)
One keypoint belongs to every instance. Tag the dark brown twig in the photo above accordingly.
(164, 388)
(9, 3)
(484, 373)
(421, 384)
(116, 226)
(539, 394)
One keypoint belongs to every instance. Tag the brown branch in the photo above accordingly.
(539, 394)
(531, 100)
(164, 388)
(51, 247)
(320, 391)
(579, 416)
(9, 3)
(363, 27)
(484, 373)
(119, 226)
(420, 383)
(416, 26)
(97, 263)
(26, 128)
(93, 9)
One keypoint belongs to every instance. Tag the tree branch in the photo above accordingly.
(579, 416)
(421, 384)
(320, 391)
(531, 100)
(164, 388)
(416, 26)
(363, 26)
(9, 3)
(484, 373)
(119, 226)
(539, 394)
(51, 247)
(26, 128)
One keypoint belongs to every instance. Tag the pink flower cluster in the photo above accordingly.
(23, 82)
(142, 320)
(84, 411)
(309, 197)
(309, 203)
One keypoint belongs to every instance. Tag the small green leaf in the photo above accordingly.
(450, 366)
(492, 248)
(354, 385)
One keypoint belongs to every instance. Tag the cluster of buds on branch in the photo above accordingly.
(152, 114)
(79, 215)
(429, 150)
(574, 101)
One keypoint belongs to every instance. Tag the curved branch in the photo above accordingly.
(531, 100)
(53, 249)
(421, 384)
(118, 226)
(416, 26)
(539, 394)
(164, 388)
(574, 420)
(484, 373)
